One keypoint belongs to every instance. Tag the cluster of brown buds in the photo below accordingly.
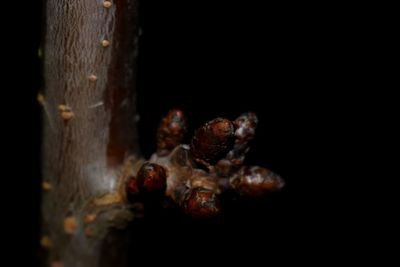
(195, 175)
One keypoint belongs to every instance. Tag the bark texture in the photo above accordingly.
(89, 137)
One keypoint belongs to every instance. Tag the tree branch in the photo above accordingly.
(90, 138)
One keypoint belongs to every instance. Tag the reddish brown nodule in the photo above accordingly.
(171, 131)
(152, 177)
(256, 181)
(201, 203)
(246, 125)
(212, 140)
(132, 187)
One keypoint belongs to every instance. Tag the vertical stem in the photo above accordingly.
(90, 137)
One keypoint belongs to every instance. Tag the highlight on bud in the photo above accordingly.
(256, 181)
(246, 125)
(201, 203)
(245, 128)
(212, 141)
(151, 177)
(171, 131)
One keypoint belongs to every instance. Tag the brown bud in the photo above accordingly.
(256, 181)
(152, 177)
(212, 141)
(246, 125)
(201, 203)
(132, 186)
(171, 131)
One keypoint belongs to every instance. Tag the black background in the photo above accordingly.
(284, 61)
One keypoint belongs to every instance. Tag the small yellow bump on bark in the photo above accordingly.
(62, 108)
(57, 264)
(67, 115)
(45, 242)
(40, 98)
(92, 78)
(108, 199)
(70, 225)
(91, 217)
(65, 112)
(105, 43)
(46, 186)
(107, 4)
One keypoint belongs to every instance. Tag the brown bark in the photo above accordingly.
(89, 137)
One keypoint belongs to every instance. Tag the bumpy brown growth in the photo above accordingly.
(171, 131)
(212, 140)
(196, 189)
(132, 186)
(201, 203)
(89, 137)
(151, 177)
(245, 125)
(255, 181)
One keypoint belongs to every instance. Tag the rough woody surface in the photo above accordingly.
(90, 139)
